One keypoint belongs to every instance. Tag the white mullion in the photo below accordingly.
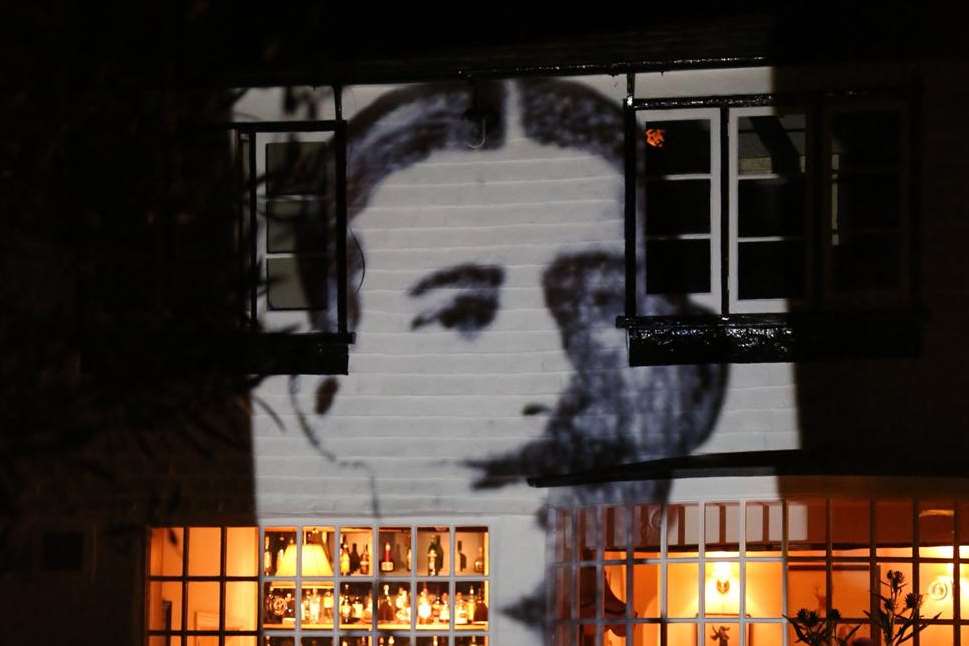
(701, 571)
(742, 566)
(664, 564)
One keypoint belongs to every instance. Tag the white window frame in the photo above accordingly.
(872, 558)
(809, 228)
(709, 299)
(484, 637)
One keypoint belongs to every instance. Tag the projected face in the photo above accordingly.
(488, 278)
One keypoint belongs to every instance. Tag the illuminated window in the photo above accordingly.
(694, 573)
(319, 585)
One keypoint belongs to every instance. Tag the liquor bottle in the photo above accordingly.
(387, 562)
(423, 607)
(380, 641)
(479, 562)
(435, 641)
(365, 560)
(368, 609)
(354, 559)
(462, 559)
(408, 558)
(315, 603)
(480, 608)
(433, 557)
(471, 605)
(460, 609)
(385, 608)
(344, 560)
(267, 559)
(345, 608)
(390, 641)
(445, 615)
(327, 606)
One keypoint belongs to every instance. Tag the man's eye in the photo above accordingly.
(467, 314)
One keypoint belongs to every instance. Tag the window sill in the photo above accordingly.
(772, 338)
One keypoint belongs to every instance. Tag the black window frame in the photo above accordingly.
(318, 352)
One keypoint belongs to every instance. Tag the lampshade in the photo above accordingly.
(315, 561)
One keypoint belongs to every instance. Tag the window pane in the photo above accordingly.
(770, 207)
(614, 635)
(279, 551)
(715, 632)
(438, 640)
(356, 605)
(850, 589)
(860, 139)
(722, 529)
(647, 530)
(936, 529)
(466, 641)
(893, 527)
(290, 279)
(721, 588)
(645, 597)
(388, 639)
(318, 553)
(165, 551)
(280, 641)
(616, 530)
(471, 556)
(561, 523)
(677, 207)
(771, 269)
(646, 635)
(203, 605)
(937, 636)
(316, 602)
(935, 586)
(204, 551)
(614, 591)
(241, 555)
(395, 550)
(393, 606)
(685, 634)
(240, 640)
(764, 528)
(241, 598)
(164, 605)
(675, 147)
(865, 202)
(355, 551)
(563, 601)
(807, 522)
(433, 611)
(771, 144)
(587, 592)
(763, 593)
(806, 587)
(588, 533)
(296, 167)
(471, 604)
(683, 590)
(296, 225)
(433, 548)
(766, 635)
(677, 266)
(850, 532)
(587, 635)
(279, 605)
(682, 530)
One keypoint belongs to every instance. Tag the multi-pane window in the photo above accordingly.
(320, 585)
(696, 573)
(203, 586)
(289, 230)
(809, 194)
